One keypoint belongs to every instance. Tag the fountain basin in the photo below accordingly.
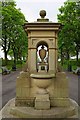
(42, 80)
(42, 75)
(42, 83)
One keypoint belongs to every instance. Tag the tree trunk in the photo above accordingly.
(68, 57)
(5, 52)
(61, 57)
(14, 54)
(5, 56)
(14, 57)
(6, 49)
(77, 55)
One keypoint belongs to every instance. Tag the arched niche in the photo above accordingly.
(42, 64)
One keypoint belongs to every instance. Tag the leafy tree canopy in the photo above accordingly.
(69, 36)
(14, 37)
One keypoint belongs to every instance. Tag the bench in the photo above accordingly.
(5, 71)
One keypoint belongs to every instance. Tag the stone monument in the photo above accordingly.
(42, 75)
(42, 91)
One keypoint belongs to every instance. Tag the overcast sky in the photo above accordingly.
(31, 8)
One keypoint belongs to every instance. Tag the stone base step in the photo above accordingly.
(10, 111)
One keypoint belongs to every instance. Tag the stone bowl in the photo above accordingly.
(42, 81)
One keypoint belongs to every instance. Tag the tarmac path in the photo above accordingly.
(74, 89)
(9, 86)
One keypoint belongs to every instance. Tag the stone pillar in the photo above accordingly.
(29, 59)
(32, 59)
(42, 102)
(56, 50)
(52, 61)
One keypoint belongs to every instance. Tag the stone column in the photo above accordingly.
(33, 60)
(52, 61)
(56, 45)
(29, 59)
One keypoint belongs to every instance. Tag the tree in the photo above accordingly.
(0, 23)
(14, 37)
(77, 29)
(69, 35)
(6, 20)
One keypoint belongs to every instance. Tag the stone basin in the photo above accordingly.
(42, 80)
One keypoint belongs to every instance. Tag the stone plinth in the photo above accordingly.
(42, 102)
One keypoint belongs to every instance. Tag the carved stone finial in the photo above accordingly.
(42, 13)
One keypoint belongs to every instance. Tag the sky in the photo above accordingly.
(31, 8)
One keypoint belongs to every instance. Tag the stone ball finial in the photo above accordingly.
(42, 13)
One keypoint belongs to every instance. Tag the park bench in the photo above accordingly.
(5, 71)
(77, 71)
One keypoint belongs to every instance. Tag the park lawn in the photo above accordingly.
(0, 70)
(11, 62)
(73, 64)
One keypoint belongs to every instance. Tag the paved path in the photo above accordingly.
(73, 86)
(9, 86)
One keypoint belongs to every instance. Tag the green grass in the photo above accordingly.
(10, 63)
(0, 70)
(73, 64)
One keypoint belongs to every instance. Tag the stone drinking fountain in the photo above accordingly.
(42, 91)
